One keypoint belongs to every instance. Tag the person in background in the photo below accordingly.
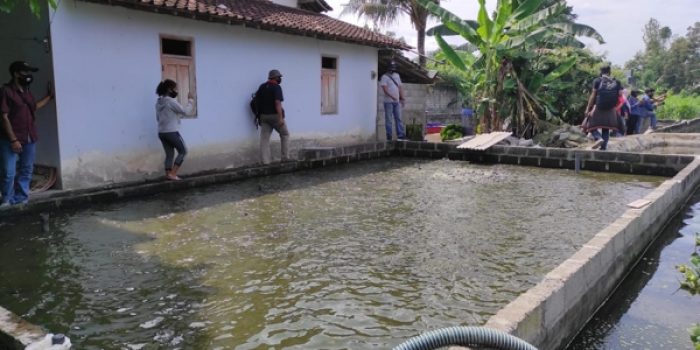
(634, 122)
(600, 110)
(393, 102)
(19, 136)
(168, 114)
(272, 116)
(649, 105)
(623, 114)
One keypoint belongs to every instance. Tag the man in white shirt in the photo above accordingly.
(393, 102)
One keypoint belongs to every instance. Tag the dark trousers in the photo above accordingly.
(632, 123)
(172, 141)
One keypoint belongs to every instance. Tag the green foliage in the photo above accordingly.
(667, 64)
(8, 6)
(451, 132)
(695, 336)
(414, 132)
(509, 76)
(679, 107)
(690, 283)
(384, 12)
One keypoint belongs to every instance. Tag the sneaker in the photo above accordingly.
(173, 177)
(597, 144)
(649, 131)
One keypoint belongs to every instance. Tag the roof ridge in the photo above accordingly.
(265, 15)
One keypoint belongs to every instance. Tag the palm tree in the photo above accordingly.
(386, 12)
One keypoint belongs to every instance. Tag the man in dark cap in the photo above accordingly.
(18, 137)
(272, 115)
(393, 102)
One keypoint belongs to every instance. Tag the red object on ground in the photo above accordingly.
(434, 129)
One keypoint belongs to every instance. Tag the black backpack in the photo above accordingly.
(255, 106)
(608, 94)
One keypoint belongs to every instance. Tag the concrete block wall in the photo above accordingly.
(683, 126)
(444, 104)
(617, 162)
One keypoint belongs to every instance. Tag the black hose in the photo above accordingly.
(465, 336)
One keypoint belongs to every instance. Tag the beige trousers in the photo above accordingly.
(268, 122)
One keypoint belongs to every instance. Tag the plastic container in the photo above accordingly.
(467, 121)
(433, 128)
(51, 342)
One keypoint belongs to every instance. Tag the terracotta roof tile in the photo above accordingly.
(265, 15)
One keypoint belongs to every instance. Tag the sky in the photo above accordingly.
(620, 22)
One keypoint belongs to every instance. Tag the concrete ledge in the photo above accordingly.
(15, 333)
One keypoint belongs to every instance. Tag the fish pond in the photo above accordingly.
(360, 256)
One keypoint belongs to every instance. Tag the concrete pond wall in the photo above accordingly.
(548, 315)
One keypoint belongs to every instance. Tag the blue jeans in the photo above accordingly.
(393, 108)
(652, 122)
(605, 136)
(15, 177)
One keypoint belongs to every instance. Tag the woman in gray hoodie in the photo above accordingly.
(168, 114)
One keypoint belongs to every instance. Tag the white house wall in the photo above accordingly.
(107, 63)
(23, 39)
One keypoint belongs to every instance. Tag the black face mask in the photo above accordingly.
(173, 94)
(279, 80)
(25, 79)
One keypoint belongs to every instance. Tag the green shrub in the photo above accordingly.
(414, 132)
(680, 107)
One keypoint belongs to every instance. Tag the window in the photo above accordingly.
(329, 85)
(177, 63)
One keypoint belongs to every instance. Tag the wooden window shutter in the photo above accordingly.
(180, 70)
(329, 91)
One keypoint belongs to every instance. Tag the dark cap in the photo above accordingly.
(392, 65)
(19, 66)
(274, 74)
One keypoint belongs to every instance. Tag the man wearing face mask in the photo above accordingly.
(272, 116)
(18, 137)
(393, 102)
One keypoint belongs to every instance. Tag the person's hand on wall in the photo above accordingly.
(190, 96)
(49, 89)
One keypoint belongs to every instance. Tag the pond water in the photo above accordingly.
(361, 256)
(648, 311)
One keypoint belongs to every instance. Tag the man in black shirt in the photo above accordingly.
(272, 116)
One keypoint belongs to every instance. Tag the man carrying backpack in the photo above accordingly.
(269, 100)
(601, 111)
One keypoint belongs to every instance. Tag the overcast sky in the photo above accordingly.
(620, 22)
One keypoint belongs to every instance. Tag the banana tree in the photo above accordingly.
(518, 31)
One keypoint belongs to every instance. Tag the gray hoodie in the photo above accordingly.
(169, 112)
